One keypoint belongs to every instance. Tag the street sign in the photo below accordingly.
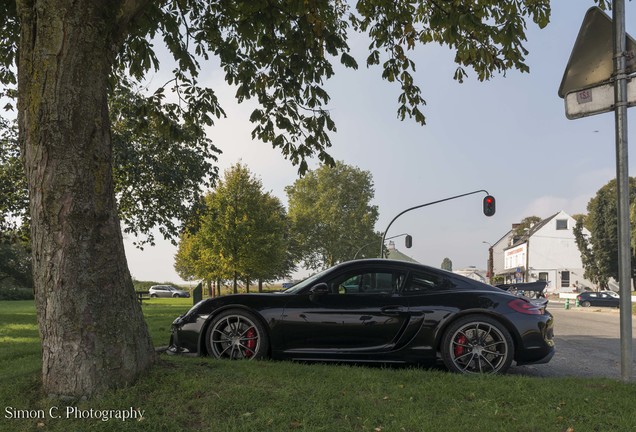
(592, 59)
(596, 100)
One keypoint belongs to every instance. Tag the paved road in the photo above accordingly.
(587, 343)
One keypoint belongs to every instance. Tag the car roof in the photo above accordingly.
(414, 267)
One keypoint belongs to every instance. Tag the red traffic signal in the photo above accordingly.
(489, 205)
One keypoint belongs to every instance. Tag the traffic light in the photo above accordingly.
(408, 241)
(489, 205)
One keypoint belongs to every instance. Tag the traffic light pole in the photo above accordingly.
(420, 206)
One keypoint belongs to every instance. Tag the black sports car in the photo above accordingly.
(374, 310)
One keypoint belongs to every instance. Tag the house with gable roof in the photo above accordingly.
(393, 253)
(546, 252)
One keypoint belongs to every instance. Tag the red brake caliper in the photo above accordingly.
(459, 349)
(250, 335)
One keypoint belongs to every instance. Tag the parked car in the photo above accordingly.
(166, 291)
(374, 310)
(601, 298)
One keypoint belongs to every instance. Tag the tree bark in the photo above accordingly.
(93, 333)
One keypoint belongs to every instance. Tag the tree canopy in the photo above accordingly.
(332, 216)
(447, 264)
(280, 53)
(241, 233)
(525, 226)
(599, 253)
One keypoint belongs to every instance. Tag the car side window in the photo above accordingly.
(371, 282)
(423, 281)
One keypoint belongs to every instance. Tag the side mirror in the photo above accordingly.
(319, 289)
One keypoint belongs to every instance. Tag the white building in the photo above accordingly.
(547, 251)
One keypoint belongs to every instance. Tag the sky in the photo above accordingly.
(509, 136)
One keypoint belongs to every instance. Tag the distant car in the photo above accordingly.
(166, 291)
(602, 298)
(373, 310)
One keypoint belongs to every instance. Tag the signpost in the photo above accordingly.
(592, 59)
(596, 100)
(596, 81)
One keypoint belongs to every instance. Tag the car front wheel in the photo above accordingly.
(237, 335)
(477, 344)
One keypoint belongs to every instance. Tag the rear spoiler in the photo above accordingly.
(537, 287)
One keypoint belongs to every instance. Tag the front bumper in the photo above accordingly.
(185, 336)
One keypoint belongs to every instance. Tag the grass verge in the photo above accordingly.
(195, 394)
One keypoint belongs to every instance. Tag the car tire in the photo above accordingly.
(175, 295)
(153, 296)
(586, 304)
(477, 344)
(237, 335)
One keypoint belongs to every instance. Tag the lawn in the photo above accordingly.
(201, 394)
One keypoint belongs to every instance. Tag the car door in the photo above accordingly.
(593, 298)
(607, 300)
(358, 311)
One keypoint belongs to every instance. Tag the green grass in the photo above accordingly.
(201, 394)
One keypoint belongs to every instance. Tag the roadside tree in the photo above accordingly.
(332, 216)
(447, 264)
(240, 234)
(599, 253)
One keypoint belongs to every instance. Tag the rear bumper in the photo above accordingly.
(538, 345)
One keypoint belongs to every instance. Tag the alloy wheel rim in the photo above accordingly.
(478, 347)
(235, 337)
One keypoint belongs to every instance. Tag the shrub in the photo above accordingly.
(15, 293)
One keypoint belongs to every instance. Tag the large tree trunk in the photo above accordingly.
(93, 333)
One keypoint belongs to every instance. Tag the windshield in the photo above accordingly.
(305, 283)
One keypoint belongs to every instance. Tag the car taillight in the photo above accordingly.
(525, 307)
(578, 298)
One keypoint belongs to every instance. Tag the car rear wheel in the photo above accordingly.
(237, 335)
(477, 344)
(586, 304)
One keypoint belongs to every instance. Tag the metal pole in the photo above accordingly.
(420, 206)
(622, 183)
